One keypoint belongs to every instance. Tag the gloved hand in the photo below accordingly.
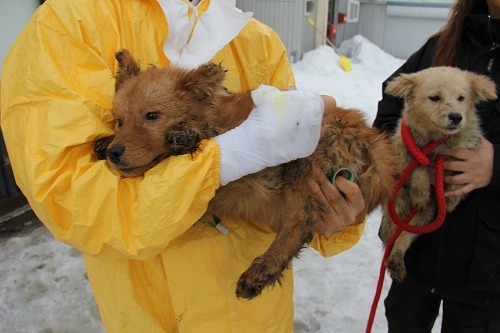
(284, 126)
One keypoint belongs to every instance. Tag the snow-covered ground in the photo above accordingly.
(43, 284)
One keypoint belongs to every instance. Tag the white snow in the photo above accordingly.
(43, 284)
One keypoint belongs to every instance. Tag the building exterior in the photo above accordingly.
(398, 27)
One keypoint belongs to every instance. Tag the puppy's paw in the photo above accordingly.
(214, 71)
(101, 146)
(419, 197)
(396, 266)
(185, 141)
(260, 274)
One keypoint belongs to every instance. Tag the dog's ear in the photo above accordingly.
(127, 68)
(203, 82)
(483, 87)
(401, 86)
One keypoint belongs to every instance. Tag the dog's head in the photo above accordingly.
(441, 99)
(153, 110)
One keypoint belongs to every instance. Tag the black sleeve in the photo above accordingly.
(390, 107)
(495, 180)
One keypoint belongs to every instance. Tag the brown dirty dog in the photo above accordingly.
(438, 102)
(162, 112)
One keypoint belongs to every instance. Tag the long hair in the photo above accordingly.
(447, 47)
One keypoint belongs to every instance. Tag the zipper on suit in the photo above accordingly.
(491, 62)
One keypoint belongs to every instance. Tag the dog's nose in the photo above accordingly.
(114, 153)
(455, 118)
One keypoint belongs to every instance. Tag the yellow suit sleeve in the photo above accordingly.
(56, 100)
(339, 242)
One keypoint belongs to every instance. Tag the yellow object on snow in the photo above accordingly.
(151, 268)
(345, 62)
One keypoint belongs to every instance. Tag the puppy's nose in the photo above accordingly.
(455, 118)
(115, 153)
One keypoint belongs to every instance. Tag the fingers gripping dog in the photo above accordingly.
(183, 107)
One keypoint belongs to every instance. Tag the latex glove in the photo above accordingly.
(284, 126)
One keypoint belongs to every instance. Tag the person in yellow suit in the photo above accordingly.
(150, 266)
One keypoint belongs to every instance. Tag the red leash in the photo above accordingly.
(419, 158)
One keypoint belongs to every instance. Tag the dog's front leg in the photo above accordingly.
(185, 136)
(420, 188)
(396, 260)
(185, 141)
(100, 147)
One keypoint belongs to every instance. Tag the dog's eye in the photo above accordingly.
(152, 115)
(119, 123)
(434, 98)
(461, 98)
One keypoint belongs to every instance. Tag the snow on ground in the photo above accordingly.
(44, 286)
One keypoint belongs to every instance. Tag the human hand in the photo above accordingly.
(341, 204)
(284, 126)
(471, 169)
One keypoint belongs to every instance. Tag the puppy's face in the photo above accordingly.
(151, 105)
(441, 99)
(145, 109)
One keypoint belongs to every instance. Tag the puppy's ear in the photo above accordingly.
(401, 86)
(203, 82)
(482, 86)
(127, 68)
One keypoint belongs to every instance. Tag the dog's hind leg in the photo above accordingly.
(297, 230)
(395, 262)
(387, 228)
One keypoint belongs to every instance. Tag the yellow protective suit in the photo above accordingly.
(151, 268)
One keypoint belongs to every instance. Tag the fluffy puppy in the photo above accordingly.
(438, 102)
(162, 112)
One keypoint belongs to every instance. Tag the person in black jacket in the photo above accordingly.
(458, 265)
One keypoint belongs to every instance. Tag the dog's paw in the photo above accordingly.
(185, 141)
(214, 71)
(259, 275)
(396, 266)
(101, 146)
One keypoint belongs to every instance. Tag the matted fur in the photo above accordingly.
(439, 102)
(168, 111)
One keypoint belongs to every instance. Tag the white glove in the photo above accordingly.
(284, 126)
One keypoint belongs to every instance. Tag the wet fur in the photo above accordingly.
(428, 121)
(192, 106)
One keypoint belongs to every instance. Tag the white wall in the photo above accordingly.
(14, 14)
(400, 30)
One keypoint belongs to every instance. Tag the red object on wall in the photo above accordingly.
(332, 30)
(341, 18)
